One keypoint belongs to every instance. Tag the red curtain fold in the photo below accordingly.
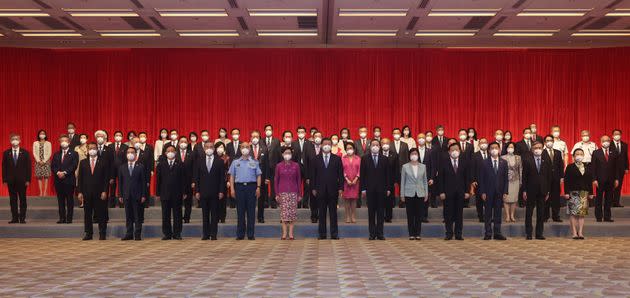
(194, 89)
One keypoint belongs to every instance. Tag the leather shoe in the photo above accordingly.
(251, 238)
(557, 220)
(14, 221)
(137, 238)
(177, 237)
(22, 221)
(205, 238)
(487, 237)
(213, 238)
(599, 220)
(380, 238)
(261, 221)
(540, 238)
(372, 238)
(609, 220)
(334, 238)
(239, 238)
(127, 238)
(87, 237)
(459, 238)
(499, 237)
(529, 238)
(448, 238)
(61, 221)
(322, 238)
(166, 238)
(102, 237)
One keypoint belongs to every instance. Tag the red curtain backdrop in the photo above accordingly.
(194, 89)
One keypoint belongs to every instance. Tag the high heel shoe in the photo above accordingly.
(283, 238)
(291, 238)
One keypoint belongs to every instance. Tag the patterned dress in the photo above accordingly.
(288, 184)
(514, 176)
(42, 170)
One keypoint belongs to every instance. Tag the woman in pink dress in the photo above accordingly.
(287, 185)
(351, 165)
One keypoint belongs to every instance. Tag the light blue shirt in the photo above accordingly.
(245, 170)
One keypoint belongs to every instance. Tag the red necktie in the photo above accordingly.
(606, 154)
(92, 165)
(63, 155)
(183, 155)
(256, 152)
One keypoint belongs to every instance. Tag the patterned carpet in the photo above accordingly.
(312, 268)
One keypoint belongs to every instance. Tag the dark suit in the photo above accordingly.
(454, 184)
(468, 149)
(360, 151)
(327, 181)
(375, 181)
(209, 183)
(605, 172)
(536, 186)
(477, 164)
(15, 174)
(169, 186)
(92, 185)
(394, 169)
(300, 156)
(521, 148)
(440, 146)
(65, 187)
(493, 182)
(117, 158)
(75, 140)
(187, 164)
(145, 158)
(557, 173)
(262, 156)
(232, 149)
(310, 153)
(428, 161)
(273, 158)
(132, 189)
(622, 153)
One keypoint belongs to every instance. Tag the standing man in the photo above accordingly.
(478, 160)
(327, 178)
(556, 160)
(493, 189)
(467, 148)
(169, 189)
(586, 145)
(536, 177)
(312, 153)
(559, 144)
(453, 187)
(400, 148)
(394, 170)
(273, 158)
(375, 184)
(93, 183)
(132, 193)
(73, 137)
(363, 143)
(233, 148)
(300, 147)
(376, 131)
(16, 175)
(119, 151)
(524, 146)
(209, 177)
(622, 152)
(185, 158)
(535, 137)
(145, 158)
(64, 165)
(260, 154)
(174, 137)
(440, 142)
(606, 168)
(245, 176)
(425, 156)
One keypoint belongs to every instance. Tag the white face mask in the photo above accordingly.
(413, 157)
(287, 140)
(421, 141)
(192, 139)
(510, 150)
(174, 137)
(15, 143)
(71, 131)
(222, 134)
(100, 140)
(326, 148)
(205, 138)
(350, 151)
(585, 139)
(579, 158)
(64, 145)
(462, 137)
(345, 135)
(170, 155)
(318, 140)
(533, 129)
(508, 137)
(117, 138)
(183, 145)
(143, 140)
(455, 154)
(527, 136)
(301, 135)
(163, 135)
(375, 149)
(363, 135)
(549, 144)
(255, 141)
(377, 134)
(131, 156)
(555, 134)
(617, 137)
(220, 150)
(209, 151)
(499, 138)
(470, 134)
(286, 157)
(136, 145)
(42, 136)
(429, 139)
(483, 146)
(83, 141)
(335, 142)
(385, 147)
(245, 151)
(440, 132)
(92, 152)
(268, 133)
(605, 144)
(235, 137)
(494, 152)
(537, 152)
(396, 137)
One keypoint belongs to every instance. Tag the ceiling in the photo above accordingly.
(418, 23)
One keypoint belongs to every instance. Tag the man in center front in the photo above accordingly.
(245, 175)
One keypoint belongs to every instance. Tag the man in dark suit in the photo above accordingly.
(327, 178)
(311, 153)
(259, 153)
(606, 168)
(524, 146)
(169, 188)
(16, 175)
(440, 142)
(536, 178)
(233, 148)
(478, 160)
(400, 148)
(394, 169)
(63, 166)
(173, 140)
(622, 152)
(74, 138)
(425, 156)
(493, 189)
(185, 158)
(132, 193)
(535, 137)
(454, 182)
(362, 143)
(209, 177)
(145, 158)
(375, 182)
(92, 185)
(273, 158)
(467, 148)
(556, 160)
(300, 147)
(118, 157)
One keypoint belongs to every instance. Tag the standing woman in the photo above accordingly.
(219, 148)
(515, 169)
(351, 168)
(222, 137)
(414, 192)
(42, 150)
(81, 151)
(337, 147)
(578, 189)
(345, 137)
(472, 138)
(287, 185)
(407, 138)
(159, 144)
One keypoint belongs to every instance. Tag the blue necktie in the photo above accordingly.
(130, 170)
(375, 158)
(15, 157)
(326, 161)
(538, 164)
(496, 169)
(209, 164)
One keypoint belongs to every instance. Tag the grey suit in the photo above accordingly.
(414, 188)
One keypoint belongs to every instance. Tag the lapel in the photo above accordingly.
(410, 173)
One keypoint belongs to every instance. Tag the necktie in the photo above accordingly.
(363, 145)
(183, 155)
(606, 154)
(326, 161)
(375, 158)
(63, 155)
(551, 153)
(117, 147)
(618, 147)
(130, 169)
(483, 155)
(528, 145)
(268, 141)
(92, 163)
(455, 165)
(317, 150)
(496, 168)
(170, 164)
(100, 150)
(538, 164)
(209, 164)
(15, 157)
(256, 152)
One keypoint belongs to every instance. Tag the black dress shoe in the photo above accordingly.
(334, 238)
(425, 221)
(102, 237)
(61, 221)
(487, 237)
(540, 238)
(499, 237)
(313, 220)
(599, 220)
(609, 220)
(22, 221)
(222, 221)
(137, 238)
(127, 238)
(576, 238)
(557, 220)
(459, 238)
(582, 237)
(251, 238)
(166, 238)
(87, 237)
(240, 238)
(205, 238)
(528, 237)
(322, 238)
(69, 221)
(213, 238)
(186, 220)
(261, 221)
(177, 237)
(388, 220)
(14, 221)
(372, 238)
(448, 237)
(380, 238)
(481, 220)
